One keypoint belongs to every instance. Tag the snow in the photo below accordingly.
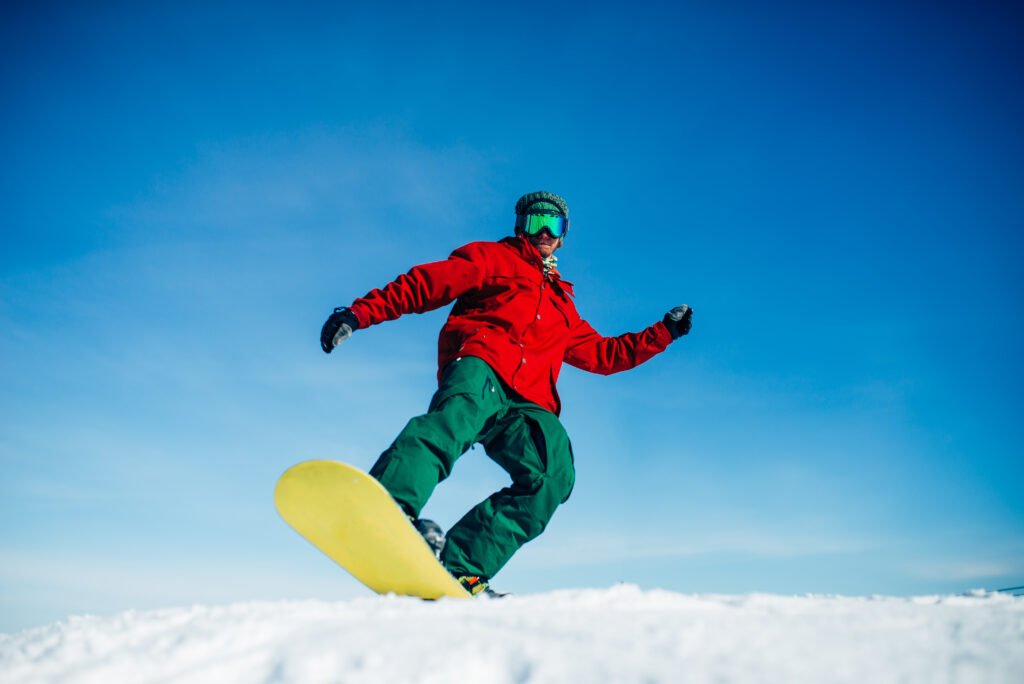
(621, 634)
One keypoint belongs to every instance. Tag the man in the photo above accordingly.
(499, 355)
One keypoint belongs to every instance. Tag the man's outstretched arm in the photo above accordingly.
(591, 351)
(424, 288)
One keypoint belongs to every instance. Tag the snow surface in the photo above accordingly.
(621, 634)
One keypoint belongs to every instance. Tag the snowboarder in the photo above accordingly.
(499, 355)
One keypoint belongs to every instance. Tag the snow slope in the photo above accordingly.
(620, 634)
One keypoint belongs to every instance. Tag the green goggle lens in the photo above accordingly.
(534, 224)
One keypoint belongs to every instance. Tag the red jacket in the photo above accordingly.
(510, 315)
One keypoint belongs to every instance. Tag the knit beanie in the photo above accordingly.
(541, 203)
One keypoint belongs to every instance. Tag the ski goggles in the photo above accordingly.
(535, 224)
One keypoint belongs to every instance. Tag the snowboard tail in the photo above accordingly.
(350, 517)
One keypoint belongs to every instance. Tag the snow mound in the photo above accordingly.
(621, 634)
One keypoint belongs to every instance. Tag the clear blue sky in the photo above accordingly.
(188, 190)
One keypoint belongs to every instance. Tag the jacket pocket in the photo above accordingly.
(565, 308)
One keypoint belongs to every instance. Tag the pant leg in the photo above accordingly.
(467, 403)
(533, 447)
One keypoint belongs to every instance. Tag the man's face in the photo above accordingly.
(544, 243)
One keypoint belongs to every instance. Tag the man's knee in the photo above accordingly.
(563, 483)
(560, 469)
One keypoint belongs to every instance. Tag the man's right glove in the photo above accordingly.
(339, 327)
(678, 321)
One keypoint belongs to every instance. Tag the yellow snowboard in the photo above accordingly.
(349, 516)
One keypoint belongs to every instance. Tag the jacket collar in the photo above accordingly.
(529, 253)
(524, 249)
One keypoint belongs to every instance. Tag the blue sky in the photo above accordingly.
(188, 190)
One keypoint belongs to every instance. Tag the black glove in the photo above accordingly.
(678, 321)
(339, 326)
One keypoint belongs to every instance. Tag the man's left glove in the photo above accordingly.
(678, 321)
(339, 327)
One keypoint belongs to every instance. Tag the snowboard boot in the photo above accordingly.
(432, 534)
(478, 586)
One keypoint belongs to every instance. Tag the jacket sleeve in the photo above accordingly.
(590, 351)
(424, 288)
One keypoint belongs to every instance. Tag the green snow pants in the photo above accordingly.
(473, 405)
